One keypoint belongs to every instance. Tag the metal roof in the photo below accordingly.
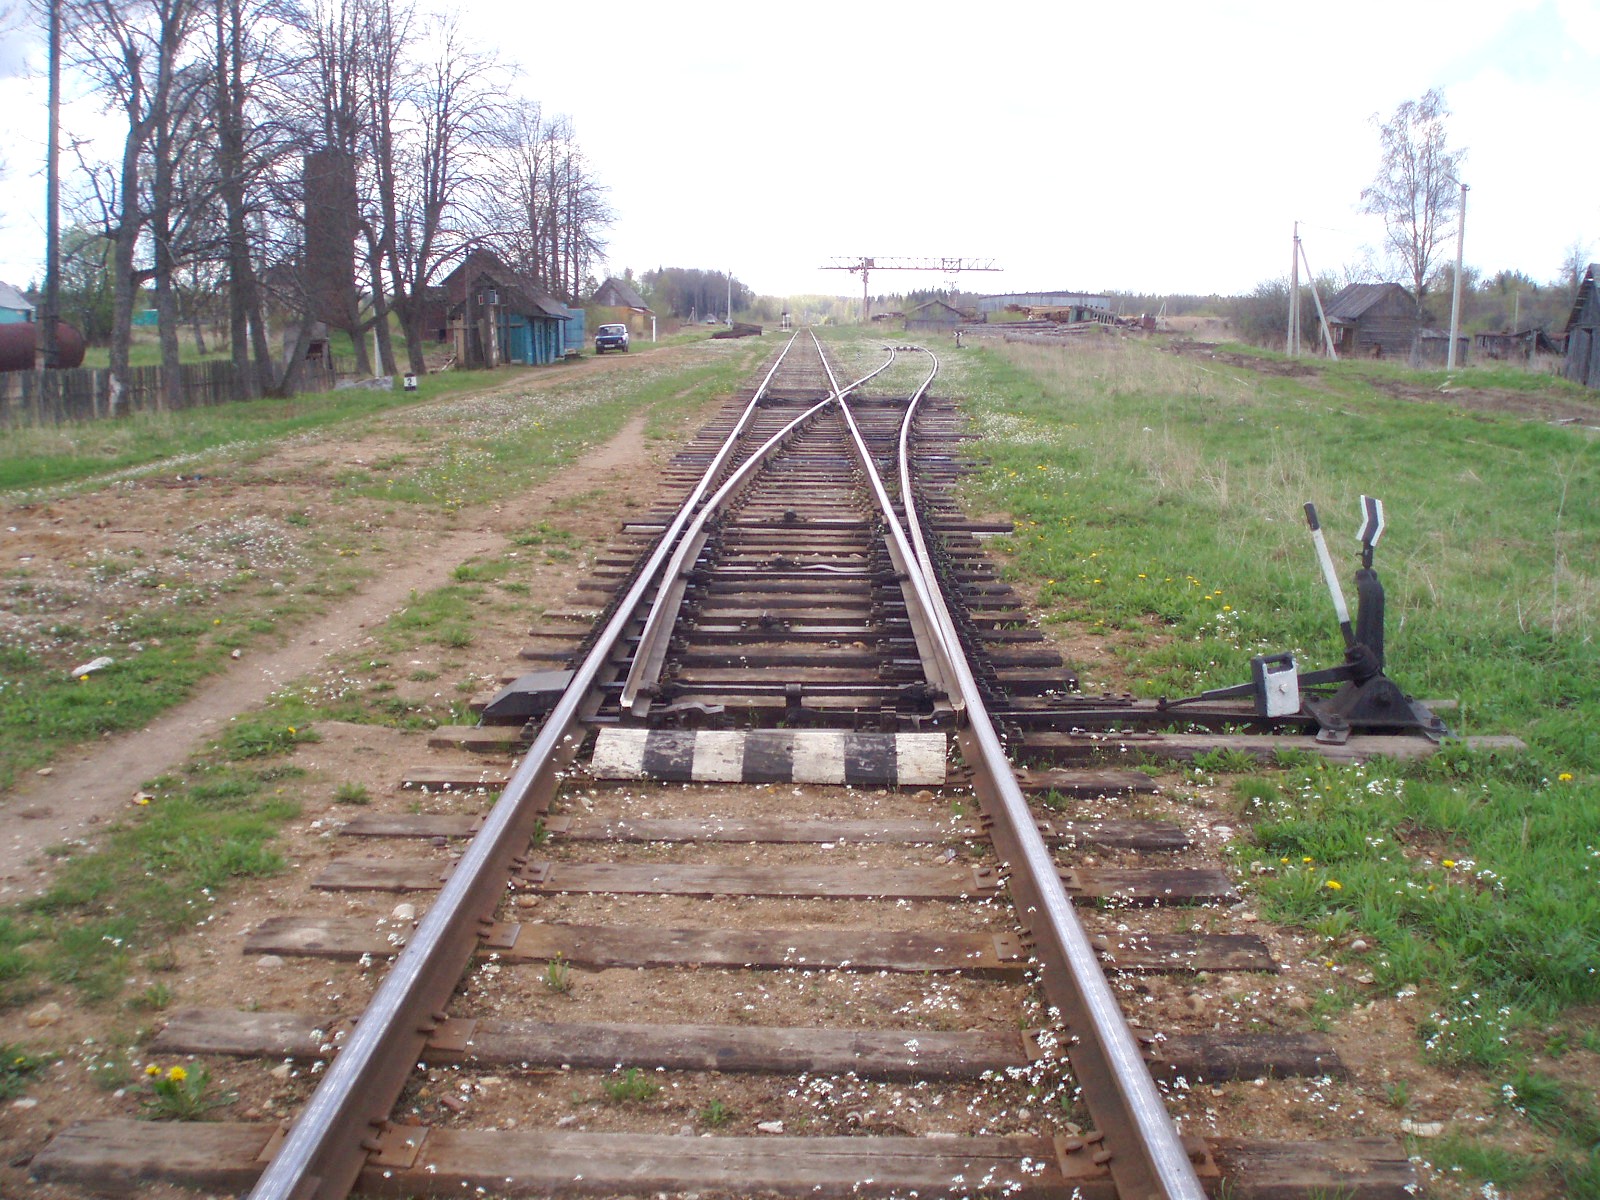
(1351, 303)
(618, 294)
(13, 298)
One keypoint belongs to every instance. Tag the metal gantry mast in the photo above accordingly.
(866, 264)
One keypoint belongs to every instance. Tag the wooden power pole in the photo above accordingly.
(52, 187)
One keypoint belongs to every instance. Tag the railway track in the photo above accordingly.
(763, 907)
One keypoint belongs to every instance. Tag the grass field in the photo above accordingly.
(1158, 500)
(173, 612)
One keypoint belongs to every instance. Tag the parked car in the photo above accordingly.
(610, 337)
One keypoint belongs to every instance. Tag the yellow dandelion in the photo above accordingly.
(291, 731)
(177, 1074)
(1141, 575)
(216, 620)
(83, 679)
(152, 1069)
(1565, 777)
(1333, 885)
(142, 800)
(1227, 608)
(1305, 858)
(1284, 861)
(1097, 581)
(1449, 862)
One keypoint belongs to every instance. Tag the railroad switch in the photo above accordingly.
(530, 695)
(1365, 699)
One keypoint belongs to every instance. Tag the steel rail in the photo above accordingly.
(650, 655)
(323, 1153)
(656, 638)
(933, 647)
(1147, 1156)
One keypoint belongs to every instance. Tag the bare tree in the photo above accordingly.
(1416, 188)
(550, 208)
(1574, 262)
(454, 104)
(245, 149)
(130, 51)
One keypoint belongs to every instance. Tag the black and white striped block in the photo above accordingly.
(771, 756)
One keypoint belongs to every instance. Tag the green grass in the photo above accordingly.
(1478, 374)
(1158, 501)
(51, 456)
(629, 1087)
(158, 871)
(469, 451)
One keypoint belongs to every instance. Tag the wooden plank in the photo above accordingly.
(1130, 835)
(774, 830)
(454, 1162)
(635, 946)
(1149, 885)
(342, 938)
(696, 879)
(457, 778)
(1183, 747)
(1156, 953)
(1086, 782)
(874, 1053)
(408, 825)
(125, 1156)
(382, 875)
(1358, 1168)
(602, 1046)
(826, 756)
(479, 739)
(247, 1034)
(1218, 1057)
(767, 949)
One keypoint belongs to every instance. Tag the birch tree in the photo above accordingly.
(1416, 190)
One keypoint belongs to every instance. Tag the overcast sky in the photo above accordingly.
(1151, 146)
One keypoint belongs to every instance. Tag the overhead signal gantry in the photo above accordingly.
(866, 264)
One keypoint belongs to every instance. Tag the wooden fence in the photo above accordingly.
(84, 393)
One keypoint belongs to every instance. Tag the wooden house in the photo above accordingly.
(1372, 320)
(498, 317)
(1583, 332)
(15, 308)
(619, 303)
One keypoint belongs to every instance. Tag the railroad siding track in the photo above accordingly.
(839, 969)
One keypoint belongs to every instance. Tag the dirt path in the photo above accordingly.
(83, 793)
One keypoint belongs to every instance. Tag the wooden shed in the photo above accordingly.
(934, 316)
(1508, 344)
(1372, 320)
(1583, 332)
(497, 317)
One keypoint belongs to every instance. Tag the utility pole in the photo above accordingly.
(1291, 337)
(1316, 298)
(730, 299)
(52, 170)
(1455, 303)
